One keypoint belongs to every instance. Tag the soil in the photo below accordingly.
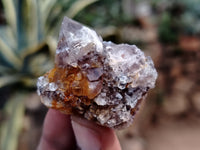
(174, 135)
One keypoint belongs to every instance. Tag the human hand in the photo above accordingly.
(60, 132)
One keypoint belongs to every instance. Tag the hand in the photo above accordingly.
(60, 132)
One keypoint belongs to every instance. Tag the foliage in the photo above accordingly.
(104, 13)
(177, 17)
(168, 29)
(10, 128)
(191, 17)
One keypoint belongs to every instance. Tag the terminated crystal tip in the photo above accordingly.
(100, 81)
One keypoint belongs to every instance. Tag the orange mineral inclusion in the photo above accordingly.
(75, 84)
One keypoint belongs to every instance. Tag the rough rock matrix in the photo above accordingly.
(98, 80)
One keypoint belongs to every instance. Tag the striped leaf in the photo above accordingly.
(11, 127)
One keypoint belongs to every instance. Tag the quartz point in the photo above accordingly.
(98, 80)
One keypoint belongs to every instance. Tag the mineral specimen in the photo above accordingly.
(98, 80)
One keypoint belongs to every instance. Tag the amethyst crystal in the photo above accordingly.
(98, 80)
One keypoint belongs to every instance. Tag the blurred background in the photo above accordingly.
(168, 31)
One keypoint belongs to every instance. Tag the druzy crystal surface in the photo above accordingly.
(98, 80)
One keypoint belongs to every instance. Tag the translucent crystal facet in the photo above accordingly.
(100, 81)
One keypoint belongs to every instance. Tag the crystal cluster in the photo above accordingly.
(98, 80)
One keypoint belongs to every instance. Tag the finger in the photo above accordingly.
(90, 136)
(57, 132)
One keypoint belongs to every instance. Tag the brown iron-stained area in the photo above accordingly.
(75, 85)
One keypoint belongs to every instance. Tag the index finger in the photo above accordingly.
(57, 132)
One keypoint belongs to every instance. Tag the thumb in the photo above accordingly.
(90, 136)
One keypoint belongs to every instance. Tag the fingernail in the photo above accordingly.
(87, 136)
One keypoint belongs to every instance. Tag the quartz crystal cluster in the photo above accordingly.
(98, 80)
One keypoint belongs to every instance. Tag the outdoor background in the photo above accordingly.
(167, 30)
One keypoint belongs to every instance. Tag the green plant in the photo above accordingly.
(168, 29)
(177, 17)
(27, 47)
(104, 13)
(191, 17)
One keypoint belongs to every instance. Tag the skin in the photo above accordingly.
(65, 132)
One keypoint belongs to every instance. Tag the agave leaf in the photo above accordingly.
(29, 82)
(19, 26)
(40, 64)
(30, 15)
(46, 7)
(8, 37)
(40, 31)
(4, 70)
(10, 13)
(29, 24)
(74, 9)
(31, 50)
(10, 129)
(54, 18)
(52, 43)
(78, 6)
(5, 80)
(9, 54)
